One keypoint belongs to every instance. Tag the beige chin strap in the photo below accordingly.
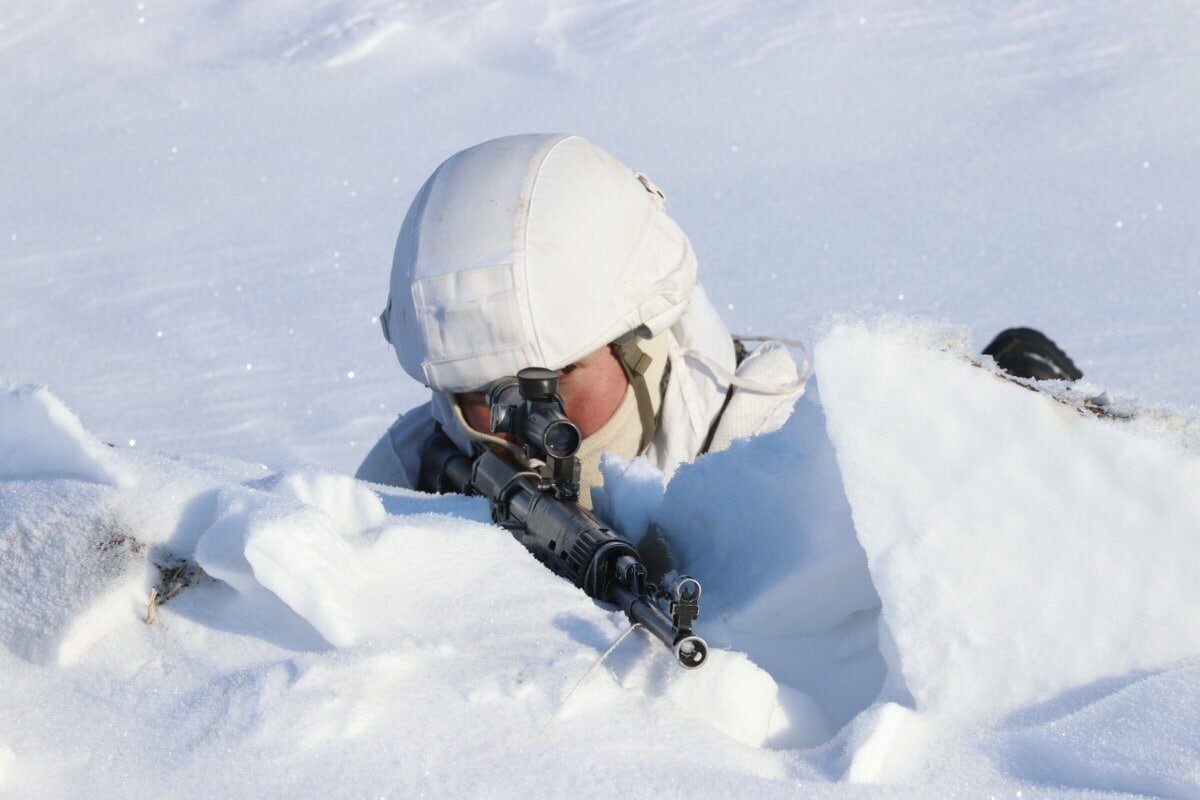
(459, 425)
(640, 368)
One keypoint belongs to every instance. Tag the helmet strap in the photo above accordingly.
(635, 362)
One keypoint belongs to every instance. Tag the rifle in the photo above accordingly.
(539, 504)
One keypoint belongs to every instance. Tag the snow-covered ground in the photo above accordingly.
(931, 580)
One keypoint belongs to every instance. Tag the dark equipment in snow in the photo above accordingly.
(539, 504)
(1029, 353)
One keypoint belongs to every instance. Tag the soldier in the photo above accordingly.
(544, 250)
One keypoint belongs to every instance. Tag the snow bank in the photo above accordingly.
(41, 438)
(78, 559)
(372, 630)
(1021, 546)
(393, 634)
(765, 527)
(165, 265)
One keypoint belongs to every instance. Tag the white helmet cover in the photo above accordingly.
(530, 250)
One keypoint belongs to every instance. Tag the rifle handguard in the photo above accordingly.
(567, 538)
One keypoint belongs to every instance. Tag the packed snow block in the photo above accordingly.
(71, 569)
(1020, 546)
(349, 504)
(41, 438)
(292, 549)
(765, 526)
(747, 518)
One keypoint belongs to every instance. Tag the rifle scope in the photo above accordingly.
(529, 409)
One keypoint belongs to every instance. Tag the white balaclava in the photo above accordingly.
(537, 250)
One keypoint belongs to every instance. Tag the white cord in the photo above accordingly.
(485, 439)
(749, 337)
(791, 387)
(582, 677)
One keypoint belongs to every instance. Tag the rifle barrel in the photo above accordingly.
(565, 536)
(689, 649)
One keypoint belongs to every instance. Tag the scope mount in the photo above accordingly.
(528, 408)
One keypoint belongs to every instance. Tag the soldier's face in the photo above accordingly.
(591, 390)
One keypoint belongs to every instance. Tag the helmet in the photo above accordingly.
(537, 250)
(530, 250)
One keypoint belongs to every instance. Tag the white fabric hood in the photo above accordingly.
(536, 250)
(530, 250)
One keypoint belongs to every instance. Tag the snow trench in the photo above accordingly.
(932, 575)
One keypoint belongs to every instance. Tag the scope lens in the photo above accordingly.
(561, 439)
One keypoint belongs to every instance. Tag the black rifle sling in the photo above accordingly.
(739, 355)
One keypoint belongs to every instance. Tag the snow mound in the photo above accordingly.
(375, 629)
(1021, 546)
(71, 569)
(41, 438)
(296, 540)
(71, 565)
